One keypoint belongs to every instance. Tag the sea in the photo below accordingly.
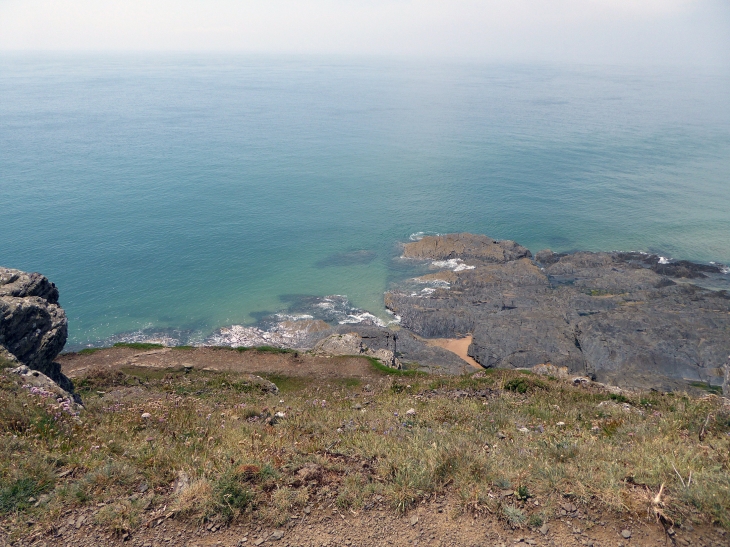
(170, 195)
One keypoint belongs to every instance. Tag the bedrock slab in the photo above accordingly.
(627, 319)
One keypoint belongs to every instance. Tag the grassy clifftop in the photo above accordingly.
(212, 447)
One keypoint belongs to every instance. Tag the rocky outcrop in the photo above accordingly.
(351, 343)
(627, 319)
(464, 246)
(411, 351)
(33, 327)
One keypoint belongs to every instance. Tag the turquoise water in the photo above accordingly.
(179, 192)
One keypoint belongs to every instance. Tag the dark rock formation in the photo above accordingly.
(410, 349)
(33, 327)
(621, 318)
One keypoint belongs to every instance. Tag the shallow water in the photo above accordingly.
(190, 193)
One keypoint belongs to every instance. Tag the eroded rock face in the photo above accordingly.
(33, 327)
(620, 318)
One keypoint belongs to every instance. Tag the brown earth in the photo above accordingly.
(433, 523)
(220, 359)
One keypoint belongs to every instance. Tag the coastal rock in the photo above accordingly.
(412, 351)
(619, 318)
(284, 334)
(33, 327)
(465, 246)
(21, 284)
(351, 343)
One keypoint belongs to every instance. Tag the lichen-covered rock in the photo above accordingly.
(33, 327)
(22, 284)
(42, 385)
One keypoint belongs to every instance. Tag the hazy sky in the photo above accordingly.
(616, 31)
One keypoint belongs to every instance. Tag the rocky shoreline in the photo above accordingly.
(623, 318)
(627, 319)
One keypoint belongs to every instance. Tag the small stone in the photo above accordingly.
(146, 416)
(544, 529)
(357, 407)
(501, 435)
(411, 412)
(276, 535)
(258, 541)
(626, 534)
(560, 424)
(414, 520)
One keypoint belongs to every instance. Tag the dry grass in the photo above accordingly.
(209, 453)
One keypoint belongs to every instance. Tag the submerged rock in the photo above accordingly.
(626, 319)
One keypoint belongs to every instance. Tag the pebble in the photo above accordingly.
(626, 534)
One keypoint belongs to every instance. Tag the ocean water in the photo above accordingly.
(186, 193)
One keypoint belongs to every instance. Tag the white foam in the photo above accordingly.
(438, 283)
(355, 318)
(725, 270)
(428, 290)
(396, 318)
(296, 317)
(418, 236)
(454, 264)
(663, 260)
(238, 335)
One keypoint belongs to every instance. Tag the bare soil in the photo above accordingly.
(432, 524)
(220, 359)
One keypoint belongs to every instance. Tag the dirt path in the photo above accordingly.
(75, 365)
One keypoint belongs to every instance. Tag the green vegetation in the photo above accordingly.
(496, 442)
(717, 390)
(144, 346)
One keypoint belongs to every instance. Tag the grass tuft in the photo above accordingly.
(144, 346)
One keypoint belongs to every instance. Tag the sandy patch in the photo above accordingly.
(459, 346)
